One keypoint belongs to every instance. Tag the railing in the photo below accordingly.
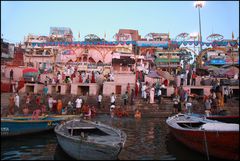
(44, 55)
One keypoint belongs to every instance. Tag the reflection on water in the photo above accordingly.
(147, 138)
(29, 147)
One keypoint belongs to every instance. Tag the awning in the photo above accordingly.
(165, 60)
(30, 70)
(152, 44)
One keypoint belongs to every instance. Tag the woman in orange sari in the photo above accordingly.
(59, 106)
(85, 109)
(221, 103)
(137, 114)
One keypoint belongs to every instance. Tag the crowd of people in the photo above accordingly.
(149, 93)
(214, 102)
(182, 100)
(47, 104)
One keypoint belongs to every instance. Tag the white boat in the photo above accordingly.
(87, 140)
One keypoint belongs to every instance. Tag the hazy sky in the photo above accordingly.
(21, 18)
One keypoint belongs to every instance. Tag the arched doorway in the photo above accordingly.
(85, 58)
(91, 60)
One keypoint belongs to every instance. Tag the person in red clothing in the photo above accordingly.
(194, 76)
(38, 100)
(80, 78)
(128, 88)
(93, 78)
(165, 82)
(85, 109)
(136, 88)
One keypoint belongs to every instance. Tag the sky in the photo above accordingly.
(19, 18)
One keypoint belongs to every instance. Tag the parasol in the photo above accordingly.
(231, 71)
(30, 72)
(212, 68)
(219, 71)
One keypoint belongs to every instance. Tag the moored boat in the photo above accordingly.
(87, 140)
(222, 118)
(210, 137)
(12, 126)
(226, 119)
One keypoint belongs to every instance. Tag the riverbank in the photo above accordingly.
(147, 110)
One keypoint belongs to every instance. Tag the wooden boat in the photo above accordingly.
(221, 118)
(87, 140)
(210, 137)
(11, 126)
(226, 119)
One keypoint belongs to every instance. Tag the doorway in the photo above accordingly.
(83, 90)
(30, 89)
(118, 89)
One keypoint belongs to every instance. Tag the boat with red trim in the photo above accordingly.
(210, 137)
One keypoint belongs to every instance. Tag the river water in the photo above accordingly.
(147, 139)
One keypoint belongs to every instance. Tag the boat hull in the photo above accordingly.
(96, 141)
(81, 150)
(19, 127)
(217, 143)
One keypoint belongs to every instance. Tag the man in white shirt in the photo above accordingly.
(99, 100)
(189, 106)
(113, 98)
(226, 93)
(159, 94)
(112, 108)
(72, 70)
(53, 81)
(59, 78)
(78, 105)
(182, 78)
(162, 86)
(50, 103)
(65, 70)
(17, 100)
(143, 90)
(236, 76)
(111, 77)
(16, 86)
(68, 72)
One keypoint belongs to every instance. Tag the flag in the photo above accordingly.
(79, 35)
(232, 35)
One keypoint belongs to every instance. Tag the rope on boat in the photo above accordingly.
(205, 142)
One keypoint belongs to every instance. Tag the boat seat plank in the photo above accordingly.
(192, 122)
(76, 128)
